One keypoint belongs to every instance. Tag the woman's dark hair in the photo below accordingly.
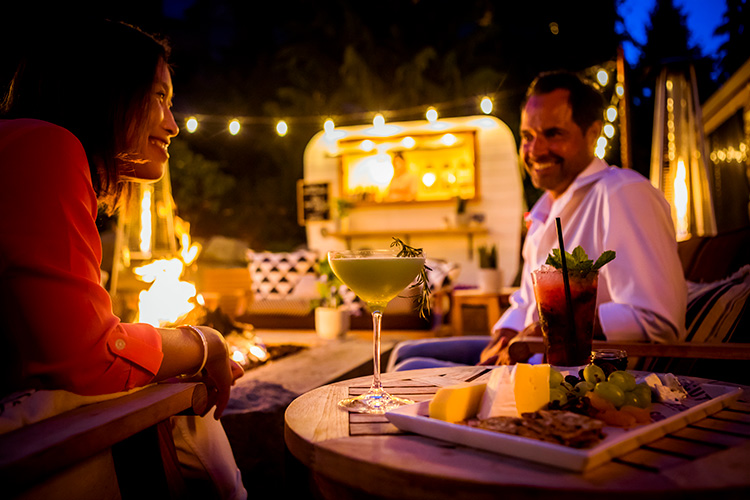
(585, 101)
(93, 78)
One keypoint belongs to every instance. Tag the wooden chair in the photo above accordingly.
(120, 448)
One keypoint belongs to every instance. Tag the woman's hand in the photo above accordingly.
(183, 353)
(220, 372)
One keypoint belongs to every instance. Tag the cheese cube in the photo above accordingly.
(531, 387)
(458, 402)
(514, 390)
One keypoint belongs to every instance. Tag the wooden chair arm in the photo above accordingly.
(35, 451)
(522, 349)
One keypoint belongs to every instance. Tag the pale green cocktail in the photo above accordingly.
(377, 277)
(377, 280)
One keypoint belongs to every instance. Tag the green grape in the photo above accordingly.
(566, 386)
(610, 392)
(641, 400)
(593, 374)
(622, 379)
(555, 377)
(582, 388)
(631, 399)
(643, 391)
(558, 395)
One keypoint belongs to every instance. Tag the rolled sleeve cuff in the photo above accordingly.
(620, 323)
(138, 343)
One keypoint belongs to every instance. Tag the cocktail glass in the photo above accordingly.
(567, 340)
(377, 277)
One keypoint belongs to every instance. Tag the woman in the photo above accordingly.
(88, 111)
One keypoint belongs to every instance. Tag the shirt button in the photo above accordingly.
(120, 344)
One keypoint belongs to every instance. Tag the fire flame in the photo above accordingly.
(681, 201)
(146, 231)
(168, 298)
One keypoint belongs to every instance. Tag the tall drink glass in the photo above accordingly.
(377, 277)
(567, 343)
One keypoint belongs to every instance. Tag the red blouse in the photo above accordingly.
(57, 329)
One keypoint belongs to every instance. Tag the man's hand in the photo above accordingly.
(496, 353)
(499, 344)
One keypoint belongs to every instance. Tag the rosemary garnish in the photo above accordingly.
(423, 300)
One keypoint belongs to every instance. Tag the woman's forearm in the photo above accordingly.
(183, 351)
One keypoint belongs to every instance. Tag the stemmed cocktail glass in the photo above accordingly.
(377, 277)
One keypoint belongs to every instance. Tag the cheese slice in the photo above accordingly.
(455, 403)
(514, 390)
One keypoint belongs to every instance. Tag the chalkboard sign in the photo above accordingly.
(313, 202)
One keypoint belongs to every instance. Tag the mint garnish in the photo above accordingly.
(578, 262)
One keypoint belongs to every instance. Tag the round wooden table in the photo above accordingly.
(364, 456)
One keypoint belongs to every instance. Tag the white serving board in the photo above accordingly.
(704, 400)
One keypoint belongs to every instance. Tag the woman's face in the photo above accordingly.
(160, 128)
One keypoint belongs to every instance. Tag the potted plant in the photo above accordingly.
(343, 210)
(489, 274)
(462, 216)
(332, 317)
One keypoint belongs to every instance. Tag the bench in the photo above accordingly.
(119, 448)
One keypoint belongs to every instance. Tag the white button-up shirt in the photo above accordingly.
(642, 294)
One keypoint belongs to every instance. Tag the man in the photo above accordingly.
(642, 294)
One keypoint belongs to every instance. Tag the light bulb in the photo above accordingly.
(234, 127)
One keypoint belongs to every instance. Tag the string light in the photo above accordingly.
(234, 127)
(611, 113)
(600, 73)
(282, 128)
(191, 124)
(602, 77)
(486, 105)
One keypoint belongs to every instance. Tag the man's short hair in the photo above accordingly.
(585, 101)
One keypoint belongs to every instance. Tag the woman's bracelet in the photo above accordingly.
(205, 350)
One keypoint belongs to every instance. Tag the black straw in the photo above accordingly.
(566, 281)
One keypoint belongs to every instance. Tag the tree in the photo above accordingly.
(667, 41)
(349, 59)
(735, 51)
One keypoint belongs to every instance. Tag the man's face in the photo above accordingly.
(555, 150)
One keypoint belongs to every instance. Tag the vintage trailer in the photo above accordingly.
(449, 186)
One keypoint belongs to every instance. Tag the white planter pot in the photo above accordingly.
(489, 280)
(462, 220)
(332, 323)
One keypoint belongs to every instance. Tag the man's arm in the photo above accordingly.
(645, 282)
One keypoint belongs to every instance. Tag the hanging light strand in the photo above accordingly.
(483, 103)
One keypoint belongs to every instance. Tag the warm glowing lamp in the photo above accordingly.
(191, 124)
(678, 157)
